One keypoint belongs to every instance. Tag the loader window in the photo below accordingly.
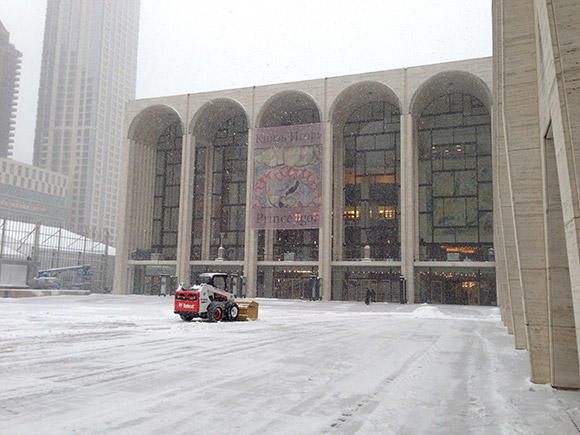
(219, 282)
(203, 279)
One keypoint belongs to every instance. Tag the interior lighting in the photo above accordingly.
(386, 212)
(351, 213)
(461, 249)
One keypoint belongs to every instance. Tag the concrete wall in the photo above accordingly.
(536, 76)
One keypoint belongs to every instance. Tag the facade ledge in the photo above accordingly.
(490, 264)
(363, 263)
(215, 263)
(289, 263)
(153, 262)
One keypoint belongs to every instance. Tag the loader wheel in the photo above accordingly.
(232, 311)
(215, 312)
(186, 317)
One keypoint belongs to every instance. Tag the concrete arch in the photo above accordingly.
(357, 95)
(279, 108)
(449, 82)
(149, 124)
(453, 151)
(224, 116)
(209, 117)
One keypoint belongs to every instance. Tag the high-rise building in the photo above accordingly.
(89, 67)
(10, 59)
(32, 194)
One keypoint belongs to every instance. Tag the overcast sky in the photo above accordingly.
(193, 46)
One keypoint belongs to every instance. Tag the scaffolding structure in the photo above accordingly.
(43, 247)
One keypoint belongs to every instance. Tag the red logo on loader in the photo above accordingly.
(187, 302)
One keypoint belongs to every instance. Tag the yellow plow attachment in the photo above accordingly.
(248, 310)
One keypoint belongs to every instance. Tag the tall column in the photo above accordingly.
(560, 37)
(499, 272)
(509, 261)
(325, 246)
(502, 282)
(123, 226)
(185, 208)
(502, 288)
(269, 244)
(523, 154)
(563, 349)
(407, 217)
(338, 194)
(207, 204)
(250, 235)
(507, 274)
(269, 256)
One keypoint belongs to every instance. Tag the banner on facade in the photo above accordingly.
(287, 191)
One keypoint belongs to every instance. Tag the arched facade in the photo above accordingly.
(154, 154)
(300, 248)
(452, 114)
(220, 130)
(379, 202)
(366, 122)
(220, 144)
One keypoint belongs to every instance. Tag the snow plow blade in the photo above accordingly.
(248, 310)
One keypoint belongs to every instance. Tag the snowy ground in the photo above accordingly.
(127, 364)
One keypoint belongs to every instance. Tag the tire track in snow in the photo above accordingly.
(129, 372)
(314, 405)
(400, 376)
(134, 372)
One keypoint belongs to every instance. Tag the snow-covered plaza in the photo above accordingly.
(127, 364)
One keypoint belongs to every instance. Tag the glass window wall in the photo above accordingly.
(455, 180)
(462, 286)
(351, 283)
(166, 193)
(286, 282)
(371, 182)
(228, 219)
(198, 201)
(154, 280)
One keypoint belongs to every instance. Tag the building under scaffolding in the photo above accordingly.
(65, 259)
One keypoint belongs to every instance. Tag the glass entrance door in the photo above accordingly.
(356, 289)
(292, 288)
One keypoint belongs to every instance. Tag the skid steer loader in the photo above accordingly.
(210, 299)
